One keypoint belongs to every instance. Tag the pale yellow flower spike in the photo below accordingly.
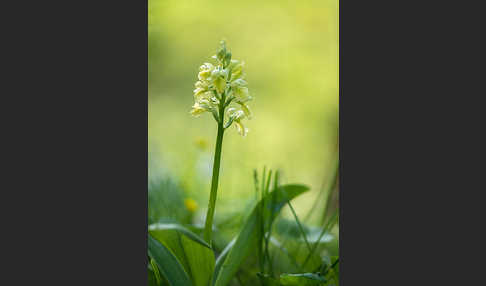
(221, 85)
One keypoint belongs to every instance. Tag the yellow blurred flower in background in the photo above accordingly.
(191, 205)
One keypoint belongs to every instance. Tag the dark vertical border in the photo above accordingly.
(407, 215)
(75, 149)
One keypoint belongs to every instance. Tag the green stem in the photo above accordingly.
(208, 228)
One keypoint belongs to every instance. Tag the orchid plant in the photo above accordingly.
(222, 90)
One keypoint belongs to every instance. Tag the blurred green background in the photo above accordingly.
(291, 54)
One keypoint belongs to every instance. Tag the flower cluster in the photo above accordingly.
(221, 85)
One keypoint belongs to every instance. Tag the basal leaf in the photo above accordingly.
(168, 263)
(193, 252)
(201, 261)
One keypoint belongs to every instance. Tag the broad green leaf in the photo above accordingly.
(201, 261)
(180, 228)
(168, 264)
(325, 229)
(193, 253)
(302, 279)
(249, 236)
(172, 240)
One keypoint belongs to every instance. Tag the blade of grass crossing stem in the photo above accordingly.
(168, 264)
(328, 188)
(329, 224)
(248, 238)
(302, 232)
(325, 188)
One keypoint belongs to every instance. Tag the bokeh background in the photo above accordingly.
(291, 53)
